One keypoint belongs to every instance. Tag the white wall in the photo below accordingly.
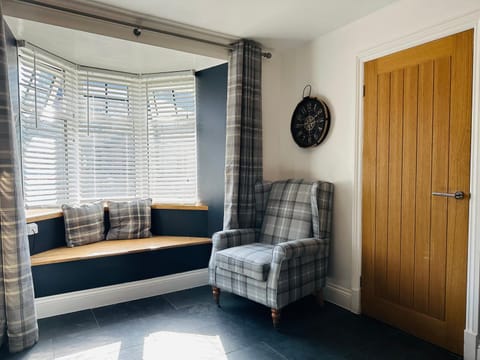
(329, 65)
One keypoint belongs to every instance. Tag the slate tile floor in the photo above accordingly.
(187, 325)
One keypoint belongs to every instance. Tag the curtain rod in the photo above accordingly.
(137, 29)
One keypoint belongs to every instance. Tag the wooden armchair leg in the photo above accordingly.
(319, 297)
(276, 318)
(216, 295)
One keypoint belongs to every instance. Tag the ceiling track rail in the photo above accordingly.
(136, 27)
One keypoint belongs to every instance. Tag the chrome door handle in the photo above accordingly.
(459, 195)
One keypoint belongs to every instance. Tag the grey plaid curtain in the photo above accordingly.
(18, 323)
(243, 154)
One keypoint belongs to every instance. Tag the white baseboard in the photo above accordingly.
(92, 298)
(470, 347)
(108, 295)
(338, 295)
(356, 301)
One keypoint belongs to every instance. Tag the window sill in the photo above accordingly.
(34, 215)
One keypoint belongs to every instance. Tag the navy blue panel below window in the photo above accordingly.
(180, 222)
(51, 234)
(60, 278)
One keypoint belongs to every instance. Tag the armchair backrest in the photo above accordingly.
(322, 199)
(262, 191)
(293, 209)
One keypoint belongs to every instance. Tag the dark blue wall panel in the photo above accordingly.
(87, 274)
(180, 222)
(211, 129)
(51, 234)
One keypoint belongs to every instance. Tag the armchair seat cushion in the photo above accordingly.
(252, 260)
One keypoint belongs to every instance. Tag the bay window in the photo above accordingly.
(90, 134)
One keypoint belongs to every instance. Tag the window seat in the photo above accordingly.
(108, 248)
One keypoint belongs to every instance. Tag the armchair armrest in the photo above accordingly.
(286, 278)
(226, 239)
(297, 248)
(229, 238)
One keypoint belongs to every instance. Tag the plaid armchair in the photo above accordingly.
(285, 257)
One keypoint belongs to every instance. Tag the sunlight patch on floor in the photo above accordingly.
(158, 345)
(104, 352)
(175, 345)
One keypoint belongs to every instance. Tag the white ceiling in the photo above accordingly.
(275, 23)
(106, 52)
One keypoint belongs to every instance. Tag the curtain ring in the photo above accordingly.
(309, 91)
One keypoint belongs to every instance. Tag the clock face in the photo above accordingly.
(310, 122)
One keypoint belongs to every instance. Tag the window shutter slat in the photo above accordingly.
(172, 138)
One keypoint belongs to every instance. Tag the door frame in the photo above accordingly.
(469, 21)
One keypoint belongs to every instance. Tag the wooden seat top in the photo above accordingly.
(113, 248)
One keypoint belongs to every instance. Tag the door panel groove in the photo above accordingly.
(414, 234)
(394, 184)
(409, 164)
(382, 199)
(438, 240)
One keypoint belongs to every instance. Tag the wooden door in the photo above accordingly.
(417, 125)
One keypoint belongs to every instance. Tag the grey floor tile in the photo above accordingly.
(195, 296)
(118, 313)
(176, 345)
(66, 324)
(106, 339)
(257, 351)
(305, 348)
(185, 320)
(231, 335)
(401, 346)
(133, 353)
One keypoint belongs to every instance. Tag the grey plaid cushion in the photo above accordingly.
(262, 190)
(252, 260)
(242, 285)
(130, 220)
(322, 205)
(288, 215)
(83, 224)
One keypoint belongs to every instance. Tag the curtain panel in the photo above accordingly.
(18, 323)
(243, 153)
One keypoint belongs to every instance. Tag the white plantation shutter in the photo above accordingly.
(90, 134)
(47, 97)
(111, 137)
(172, 138)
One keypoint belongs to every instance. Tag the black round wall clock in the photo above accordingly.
(310, 122)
